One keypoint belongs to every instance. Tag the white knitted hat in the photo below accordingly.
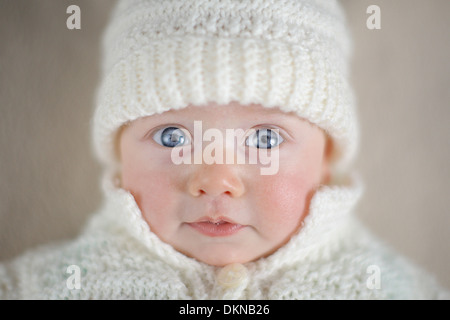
(160, 55)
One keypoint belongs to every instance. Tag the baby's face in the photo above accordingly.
(220, 213)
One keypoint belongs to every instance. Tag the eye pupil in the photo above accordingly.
(265, 138)
(172, 136)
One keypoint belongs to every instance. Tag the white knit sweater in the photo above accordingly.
(332, 257)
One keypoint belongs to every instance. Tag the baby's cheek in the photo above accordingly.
(283, 201)
(150, 190)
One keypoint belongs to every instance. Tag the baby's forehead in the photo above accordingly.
(223, 113)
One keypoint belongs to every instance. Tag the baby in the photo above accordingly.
(226, 212)
(227, 132)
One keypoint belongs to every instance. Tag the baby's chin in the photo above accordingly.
(222, 261)
(223, 255)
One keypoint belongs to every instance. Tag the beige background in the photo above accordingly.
(401, 74)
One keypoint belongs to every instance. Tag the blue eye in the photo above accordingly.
(171, 137)
(264, 139)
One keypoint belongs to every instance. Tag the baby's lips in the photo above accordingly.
(217, 220)
(216, 227)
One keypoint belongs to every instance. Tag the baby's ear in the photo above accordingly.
(117, 151)
(117, 141)
(326, 164)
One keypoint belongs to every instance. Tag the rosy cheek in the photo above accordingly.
(150, 189)
(284, 198)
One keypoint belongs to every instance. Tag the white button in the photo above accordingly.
(232, 275)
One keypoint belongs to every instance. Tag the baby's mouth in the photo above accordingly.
(220, 227)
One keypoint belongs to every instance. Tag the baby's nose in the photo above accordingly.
(216, 179)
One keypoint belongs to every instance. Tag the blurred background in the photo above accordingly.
(401, 75)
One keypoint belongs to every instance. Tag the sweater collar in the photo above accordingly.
(330, 210)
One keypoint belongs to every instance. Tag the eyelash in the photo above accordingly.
(185, 137)
(268, 131)
(172, 129)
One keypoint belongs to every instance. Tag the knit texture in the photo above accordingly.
(120, 258)
(166, 55)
